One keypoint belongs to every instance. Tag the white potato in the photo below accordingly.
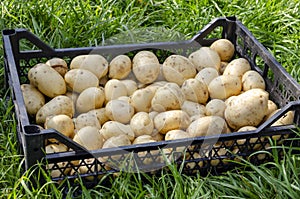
(145, 66)
(170, 120)
(168, 97)
(247, 109)
(130, 85)
(80, 79)
(58, 64)
(113, 89)
(141, 124)
(113, 128)
(62, 123)
(119, 67)
(94, 63)
(33, 98)
(89, 137)
(177, 69)
(205, 57)
(42, 76)
(252, 79)
(86, 119)
(206, 126)
(224, 48)
(119, 110)
(193, 108)
(89, 99)
(207, 75)
(58, 105)
(224, 86)
(237, 67)
(215, 107)
(195, 91)
(141, 100)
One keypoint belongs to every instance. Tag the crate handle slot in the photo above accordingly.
(16, 35)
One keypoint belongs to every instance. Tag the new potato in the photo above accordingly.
(119, 67)
(33, 98)
(89, 99)
(177, 69)
(42, 75)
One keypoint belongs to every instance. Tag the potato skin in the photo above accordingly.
(145, 66)
(141, 99)
(119, 110)
(237, 67)
(33, 98)
(58, 64)
(42, 75)
(86, 119)
(215, 107)
(252, 79)
(61, 123)
(224, 48)
(141, 124)
(177, 69)
(58, 105)
(168, 97)
(247, 109)
(195, 90)
(114, 89)
(89, 137)
(81, 79)
(207, 75)
(170, 120)
(207, 126)
(119, 67)
(89, 99)
(205, 57)
(113, 128)
(94, 63)
(224, 86)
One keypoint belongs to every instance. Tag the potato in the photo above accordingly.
(62, 123)
(116, 141)
(252, 140)
(215, 107)
(58, 105)
(195, 91)
(94, 63)
(73, 96)
(86, 119)
(223, 67)
(119, 67)
(81, 79)
(205, 57)
(271, 108)
(224, 48)
(124, 98)
(113, 128)
(141, 124)
(119, 110)
(252, 79)
(176, 134)
(143, 139)
(247, 109)
(33, 98)
(170, 120)
(61, 168)
(100, 114)
(237, 67)
(207, 75)
(168, 97)
(141, 100)
(286, 119)
(89, 99)
(58, 64)
(145, 66)
(177, 69)
(224, 86)
(193, 108)
(42, 75)
(207, 126)
(113, 89)
(130, 85)
(89, 137)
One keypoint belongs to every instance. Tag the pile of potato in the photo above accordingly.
(101, 104)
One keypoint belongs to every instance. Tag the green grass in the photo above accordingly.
(68, 23)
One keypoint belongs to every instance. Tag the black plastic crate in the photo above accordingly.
(200, 155)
